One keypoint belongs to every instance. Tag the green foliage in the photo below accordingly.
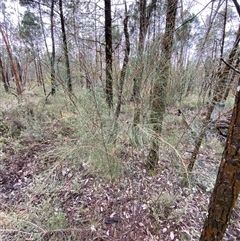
(184, 32)
(30, 29)
(28, 3)
(58, 221)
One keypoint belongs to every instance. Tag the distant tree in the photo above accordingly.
(36, 24)
(30, 29)
(30, 32)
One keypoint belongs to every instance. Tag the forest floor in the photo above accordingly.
(60, 179)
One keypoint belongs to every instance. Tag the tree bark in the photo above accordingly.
(108, 50)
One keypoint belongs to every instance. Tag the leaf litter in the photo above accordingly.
(44, 197)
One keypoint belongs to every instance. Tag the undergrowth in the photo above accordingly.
(67, 179)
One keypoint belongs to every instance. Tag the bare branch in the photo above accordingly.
(230, 66)
(237, 6)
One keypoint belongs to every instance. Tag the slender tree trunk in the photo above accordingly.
(136, 97)
(159, 87)
(212, 17)
(65, 47)
(236, 66)
(43, 31)
(36, 70)
(237, 6)
(41, 76)
(227, 185)
(125, 63)
(5, 84)
(108, 50)
(13, 64)
(52, 60)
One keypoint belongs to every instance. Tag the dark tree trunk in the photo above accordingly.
(108, 49)
(5, 84)
(52, 60)
(237, 6)
(65, 47)
(125, 63)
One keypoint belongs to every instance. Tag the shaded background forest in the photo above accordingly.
(87, 151)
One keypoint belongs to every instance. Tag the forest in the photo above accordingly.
(119, 120)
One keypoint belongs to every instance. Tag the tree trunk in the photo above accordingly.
(65, 48)
(5, 84)
(41, 75)
(227, 185)
(125, 63)
(159, 87)
(13, 64)
(52, 60)
(108, 50)
(136, 96)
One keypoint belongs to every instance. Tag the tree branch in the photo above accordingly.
(237, 6)
(230, 66)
